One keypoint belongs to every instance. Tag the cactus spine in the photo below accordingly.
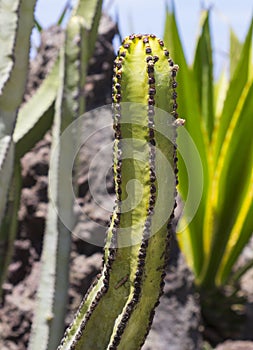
(118, 310)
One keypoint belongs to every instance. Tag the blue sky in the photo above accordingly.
(149, 15)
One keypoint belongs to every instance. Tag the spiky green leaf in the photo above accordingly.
(203, 74)
(236, 86)
(235, 51)
(188, 108)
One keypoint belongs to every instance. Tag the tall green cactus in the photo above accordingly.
(118, 310)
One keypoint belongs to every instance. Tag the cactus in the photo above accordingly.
(48, 324)
(58, 101)
(16, 22)
(118, 309)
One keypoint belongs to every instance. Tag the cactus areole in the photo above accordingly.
(118, 310)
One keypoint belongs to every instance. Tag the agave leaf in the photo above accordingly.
(230, 183)
(240, 235)
(236, 93)
(188, 108)
(238, 81)
(235, 277)
(203, 73)
(235, 51)
(220, 91)
(238, 202)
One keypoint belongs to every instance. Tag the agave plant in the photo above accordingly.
(219, 119)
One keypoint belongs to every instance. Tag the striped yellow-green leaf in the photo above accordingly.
(226, 191)
(203, 73)
(188, 107)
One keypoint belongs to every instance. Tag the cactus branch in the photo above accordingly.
(16, 22)
(52, 296)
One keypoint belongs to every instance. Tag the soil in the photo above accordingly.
(177, 323)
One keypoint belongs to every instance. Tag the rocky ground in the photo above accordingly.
(177, 321)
